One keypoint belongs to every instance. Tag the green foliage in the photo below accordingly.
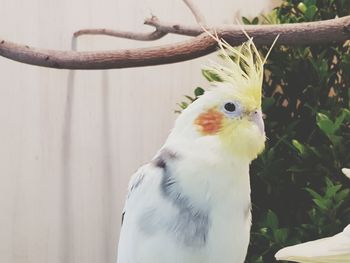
(298, 191)
(297, 182)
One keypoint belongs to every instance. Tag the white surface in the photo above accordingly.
(334, 249)
(346, 172)
(68, 147)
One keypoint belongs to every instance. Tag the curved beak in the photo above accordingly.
(257, 118)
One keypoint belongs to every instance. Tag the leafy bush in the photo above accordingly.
(298, 191)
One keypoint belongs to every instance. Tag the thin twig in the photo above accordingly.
(157, 34)
(196, 12)
(174, 28)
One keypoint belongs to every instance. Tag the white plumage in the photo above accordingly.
(191, 203)
(160, 237)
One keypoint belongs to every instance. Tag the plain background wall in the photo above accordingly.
(70, 141)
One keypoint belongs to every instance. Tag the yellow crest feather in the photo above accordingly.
(243, 68)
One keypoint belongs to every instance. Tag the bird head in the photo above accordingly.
(231, 110)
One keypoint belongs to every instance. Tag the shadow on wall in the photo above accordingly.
(68, 211)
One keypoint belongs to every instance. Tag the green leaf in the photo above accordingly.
(311, 11)
(340, 119)
(271, 219)
(309, 2)
(280, 235)
(313, 193)
(302, 7)
(320, 203)
(329, 182)
(331, 191)
(211, 76)
(183, 105)
(255, 21)
(246, 21)
(301, 148)
(342, 195)
(198, 91)
(325, 124)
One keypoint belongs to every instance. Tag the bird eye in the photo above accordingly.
(230, 107)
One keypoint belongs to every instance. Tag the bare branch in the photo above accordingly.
(340, 25)
(157, 34)
(173, 27)
(321, 32)
(153, 21)
(139, 57)
(196, 12)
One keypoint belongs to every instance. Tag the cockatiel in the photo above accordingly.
(191, 203)
(335, 249)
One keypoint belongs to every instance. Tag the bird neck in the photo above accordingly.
(207, 173)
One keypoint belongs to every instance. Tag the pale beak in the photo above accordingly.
(257, 118)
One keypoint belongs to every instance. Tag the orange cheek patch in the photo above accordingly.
(209, 122)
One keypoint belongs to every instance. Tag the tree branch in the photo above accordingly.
(157, 34)
(174, 28)
(321, 32)
(338, 26)
(126, 58)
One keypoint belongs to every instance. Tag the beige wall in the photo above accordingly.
(69, 142)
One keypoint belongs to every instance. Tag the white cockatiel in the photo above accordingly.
(191, 203)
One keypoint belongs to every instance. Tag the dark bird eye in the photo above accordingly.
(230, 107)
